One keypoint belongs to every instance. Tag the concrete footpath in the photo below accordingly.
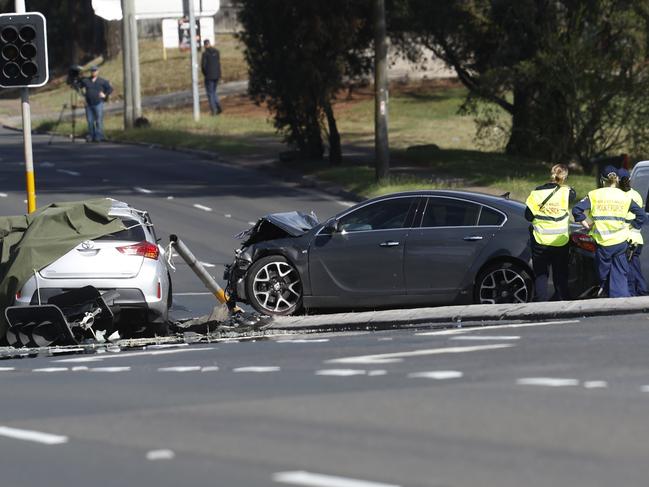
(468, 313)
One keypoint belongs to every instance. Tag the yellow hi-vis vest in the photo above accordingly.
(635, 235)
(608, 210)
(550, 224)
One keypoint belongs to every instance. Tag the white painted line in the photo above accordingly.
(186, 368)
(376, 373)
(79, 368)
(547, 381)
(154, 455)
(30, 435)
(134, 354)
(228, 215)
(399, 356)
(170, 197)
(51, 369)
(494, 327)
(68, 172)
(110, 369)
(437, 375)
(252, 223)
(204, 208)
(47, 164)
(211, 368)
(340, 372)
(480, 337)
(384, 339)
(142, 190)
(317, 340)
(595, 384)
(7, 369)
(3, 195)
(319, 480)
(644, 388)
(256, 369)
(206, 264)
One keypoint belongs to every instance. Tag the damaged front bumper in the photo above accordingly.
(235, 276)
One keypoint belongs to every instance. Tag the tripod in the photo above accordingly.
(74, 100)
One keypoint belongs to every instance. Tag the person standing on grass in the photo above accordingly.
(211, 68)
(547, 209)
(96, 91)
(637, 282)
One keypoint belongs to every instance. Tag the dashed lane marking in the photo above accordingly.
(437, 375)
(494, 327)
(51, 369)
(486, 337)
(170, 197)
(133, 354)
(109, 369)
(340, 372)
(644, 388)
(547, 382)
(387, 358)
(68, 172)
(3, 195)
(201, 207)
(303, 340)
(310, 479)
(155, 455)
(206, 264)
(30, 435)
(47, 164)
(143, 190)
(257, 369)
(595, 384)
(7, 369)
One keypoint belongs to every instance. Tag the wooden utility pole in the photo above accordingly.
(381, 145)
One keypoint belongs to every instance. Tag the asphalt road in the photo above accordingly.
(535, 405)
(204, 202)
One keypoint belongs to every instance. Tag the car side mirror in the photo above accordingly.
(332, 226)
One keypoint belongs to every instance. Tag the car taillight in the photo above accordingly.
(143, 249)
(584, 241)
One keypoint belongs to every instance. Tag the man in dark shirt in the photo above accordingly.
(211, 68)
(96, 91)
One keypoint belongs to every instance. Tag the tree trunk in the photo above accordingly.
(522, 139)
(335, 149)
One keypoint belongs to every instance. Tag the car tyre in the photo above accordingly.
(504, 282)
(274, 286)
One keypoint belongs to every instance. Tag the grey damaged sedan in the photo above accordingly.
(422, 248)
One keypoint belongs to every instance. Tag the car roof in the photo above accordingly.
(487, 199)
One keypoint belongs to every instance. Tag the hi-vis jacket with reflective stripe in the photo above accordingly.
(635, 235)
(609, 208)
(550, 223)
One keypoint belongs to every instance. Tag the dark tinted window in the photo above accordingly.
(134, 232)
(443, 212)
(382, 215)
(491, 217)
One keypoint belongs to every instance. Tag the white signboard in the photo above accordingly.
(154, 9)
(175, 32)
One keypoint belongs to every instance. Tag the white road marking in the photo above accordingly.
(47, 164)
(376, 373)
(134, 354)
(110, 369)
(186, 368)
(154, 455)
(389, 339)
(387, 358)
(480, 337)
(204, 208)
(170, 197)
(494, 327)
(319, 480)
(68, 172)
(30, 435)
(437, 375)
(51, 369)
(252, 223)
(79, 368)
(143, 190)
(210, 368)
(228, 215)
(7, 369)
(340, 372)
(256, 369)
(317, 340)
(206, 264)
(644, 388)
(595, 384)
(3, 195)
(547, 381)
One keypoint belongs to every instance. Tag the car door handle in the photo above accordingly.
(473, 238)
(389, 243)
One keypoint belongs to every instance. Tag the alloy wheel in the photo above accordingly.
(277, 287)
(504, 285)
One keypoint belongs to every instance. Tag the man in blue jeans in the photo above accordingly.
(96, 91)
(211, 68)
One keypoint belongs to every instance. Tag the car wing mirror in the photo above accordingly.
(332, 226)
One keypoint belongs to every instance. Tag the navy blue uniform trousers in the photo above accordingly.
(612, 269)
(637, 282)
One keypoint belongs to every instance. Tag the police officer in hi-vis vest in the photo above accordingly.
(637, 282)
(608, 208)
(547, 209)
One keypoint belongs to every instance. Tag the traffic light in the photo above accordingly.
(23, 50)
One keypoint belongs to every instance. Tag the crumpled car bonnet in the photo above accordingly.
(279, 225)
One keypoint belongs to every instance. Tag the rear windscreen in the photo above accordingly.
(134, 232)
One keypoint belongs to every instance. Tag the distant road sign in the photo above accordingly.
(155, 9)
(175, 32)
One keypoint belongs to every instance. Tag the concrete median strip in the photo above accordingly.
(466, 314)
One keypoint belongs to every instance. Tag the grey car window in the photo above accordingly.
(133, 233)
(490, 217)
(445, 212)
(382, 215)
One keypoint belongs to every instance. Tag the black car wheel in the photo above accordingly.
(504, 282)
(273, 286)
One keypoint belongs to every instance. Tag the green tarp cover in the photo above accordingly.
(28, 243)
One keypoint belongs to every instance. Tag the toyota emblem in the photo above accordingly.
(88, 244)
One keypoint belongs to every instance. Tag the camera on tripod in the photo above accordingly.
(74, 79)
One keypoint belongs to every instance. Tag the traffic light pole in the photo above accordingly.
(194, 61)
(27, 135)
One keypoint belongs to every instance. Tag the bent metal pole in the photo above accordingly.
(198, 269)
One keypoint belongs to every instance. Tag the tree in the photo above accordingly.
(570, 73)
(300, 55)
